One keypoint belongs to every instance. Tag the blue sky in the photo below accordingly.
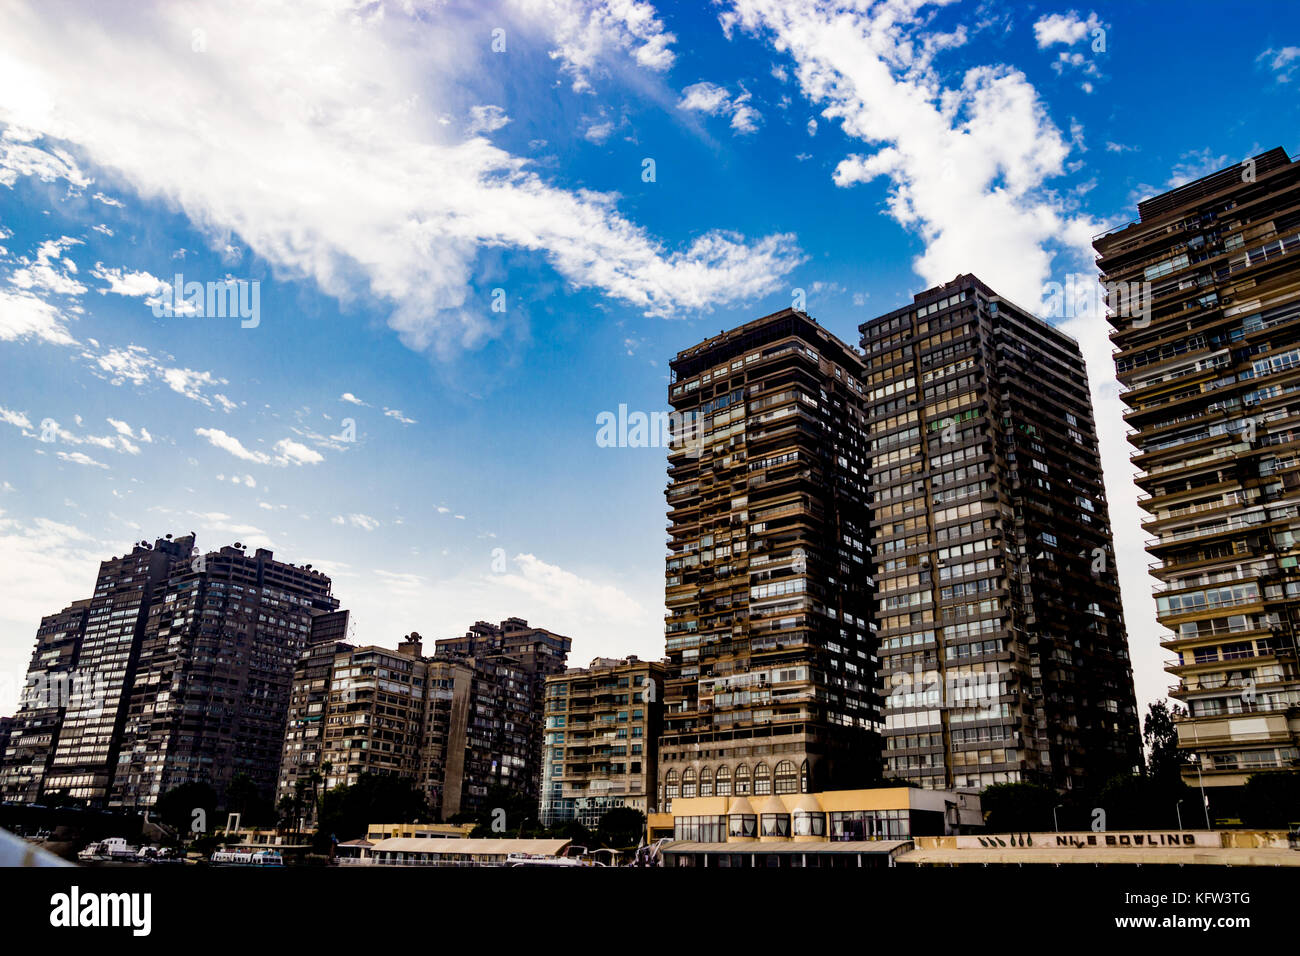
(382, 170)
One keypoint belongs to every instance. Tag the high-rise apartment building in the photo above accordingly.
(1210, 364)
(511, 661)
(771, 680)
(1001, 634)
(457, 724)
(602, 739)
(86, 753)
(375, 713)
(51, 677)
(301, 760)
(211, 691)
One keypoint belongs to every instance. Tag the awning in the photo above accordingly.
(883, 847)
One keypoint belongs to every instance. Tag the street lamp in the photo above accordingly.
(1200, 776)
(1056, 825)
(1178, 808)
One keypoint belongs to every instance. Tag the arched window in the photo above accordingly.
(742, 780)
(723, 785)
(786, 779)
(706, 782)
(671, 783)
(805, 785)
(762, 780)
(688, 782)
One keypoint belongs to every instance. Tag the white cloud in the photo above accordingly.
(229, 443)
(109, 200)
(78, 458)
(16, 419)
(715, 100)
(599, 132)
(18, 157)
(132, 284)
(486, 119)
(352, 399)
(551, 587)
(287, 451)
(123, 428)
(344, 175)
(290, 452)
(1065, 28)
(364, 522)
(135, 365)
(596, 36)
(25, 316)
(50, 271)
(967, 166)
(1282, 62)
(397, 414)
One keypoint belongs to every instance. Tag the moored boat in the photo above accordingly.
(246, 858)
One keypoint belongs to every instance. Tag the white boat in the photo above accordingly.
(572, 856)
(246, 858)
(112, 850)
(153, 854)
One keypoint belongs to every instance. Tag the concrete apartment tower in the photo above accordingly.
(771, 682)
(998, 610)
(1210, 365)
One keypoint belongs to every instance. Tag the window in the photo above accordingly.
(762, 780)
(804, 785)
(786, 781)
(742, 825)
(688, 782)
(702, 829)
(742, 780)
(807, 823)
(706, 782)
(723, 784)
(670, 782)
(776, 824)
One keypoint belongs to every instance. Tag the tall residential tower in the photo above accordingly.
(1001, 633)
(1211, 369)
(771, 679)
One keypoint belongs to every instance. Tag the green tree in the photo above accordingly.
(621, 828)
(1165, 761)
(1271, 799)
(1140, 801)
(176, 807)
(1018, 807)
(254, 807)
(346, 812)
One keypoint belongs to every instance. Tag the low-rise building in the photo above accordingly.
(413, 851)
(833, 828)
(385, 831)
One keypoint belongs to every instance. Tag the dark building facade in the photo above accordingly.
(1210, 365)
(51, 676)
(90, 732)
(457, 724)
(302, 769)
(511, 662)
(210, 697)
(1001, 633)
(771, 680)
